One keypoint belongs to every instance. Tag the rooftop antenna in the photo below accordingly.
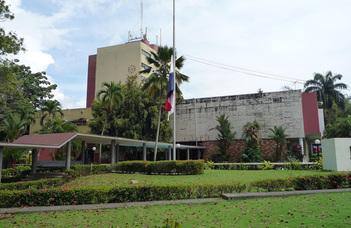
(160, 37)
(141, 19)
(141, 37)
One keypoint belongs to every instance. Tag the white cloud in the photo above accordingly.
(289, 38)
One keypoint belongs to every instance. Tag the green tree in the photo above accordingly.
(34, 86)
(279, 136)
(111, 97)
(225, 136)
(50, 108)
(57, 125)
(252, 136)
(9, 42)
(327, 91)
(340, 129)
(13, 126)
(156, 83)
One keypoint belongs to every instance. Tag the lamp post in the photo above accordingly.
(318, 145)
(94, 149)
(30, 156)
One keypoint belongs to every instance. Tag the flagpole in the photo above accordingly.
(174, 92)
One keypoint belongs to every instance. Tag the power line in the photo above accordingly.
(245, 71)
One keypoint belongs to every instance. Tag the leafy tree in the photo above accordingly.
(327, 91)
(225, 136)
(279, 136)
(9, 42)
(252, 136)
(111, 97)
(50, 108)
(340, 129)
(156, 83)
(34, 86)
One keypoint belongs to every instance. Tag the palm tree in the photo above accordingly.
(50, 107)
(111, 96)
(13, 126)
(225, 135)
(279, 136)
(157, 82)
(252, 136)
(26, 113)
(327, 90)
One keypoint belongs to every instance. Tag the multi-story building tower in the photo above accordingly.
(116, 63)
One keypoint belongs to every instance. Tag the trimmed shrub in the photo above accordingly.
(51, 197)
(271, 185)
(191, 167)
(14, 174)
(38, 184)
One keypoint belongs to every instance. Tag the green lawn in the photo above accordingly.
(209, 176)
(318, 210)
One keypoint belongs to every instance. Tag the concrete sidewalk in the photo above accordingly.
(235, 196)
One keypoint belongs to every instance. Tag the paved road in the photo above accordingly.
(235, 196)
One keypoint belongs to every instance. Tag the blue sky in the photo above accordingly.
(287, 40)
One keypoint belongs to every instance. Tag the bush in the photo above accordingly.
(38, 184)
(192, 167)
(85, 170)
(14, 174)
(267, 165)
(271, 185)
(50, 197)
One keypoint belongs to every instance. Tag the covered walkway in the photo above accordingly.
(59, 140)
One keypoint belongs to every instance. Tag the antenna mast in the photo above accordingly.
(141, 19)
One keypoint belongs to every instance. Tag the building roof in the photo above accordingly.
(58, 140)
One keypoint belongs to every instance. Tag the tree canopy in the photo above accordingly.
(22, 91)
(327, 90)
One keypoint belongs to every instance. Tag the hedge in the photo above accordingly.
(14, 174)
(311, 182)
(190, 167)
(51, 197)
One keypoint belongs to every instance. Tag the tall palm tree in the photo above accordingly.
(111, 96)
(50, 107)
(157, 82)
(327, 90)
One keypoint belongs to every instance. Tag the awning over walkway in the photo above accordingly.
(58, 140)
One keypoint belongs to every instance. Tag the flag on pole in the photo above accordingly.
(170, 102)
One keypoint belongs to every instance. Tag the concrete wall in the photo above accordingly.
(269, 109)
(337, 154)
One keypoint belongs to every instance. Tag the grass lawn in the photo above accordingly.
(318, 210)
(209, 176)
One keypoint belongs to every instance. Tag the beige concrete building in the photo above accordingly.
(116, 63)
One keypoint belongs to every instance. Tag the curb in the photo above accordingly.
(238, 196)
(102, 206)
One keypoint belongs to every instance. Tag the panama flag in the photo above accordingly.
(170, 102)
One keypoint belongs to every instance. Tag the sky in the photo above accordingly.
(231, 47)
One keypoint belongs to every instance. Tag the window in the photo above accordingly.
(145, 66)
(147, 54)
